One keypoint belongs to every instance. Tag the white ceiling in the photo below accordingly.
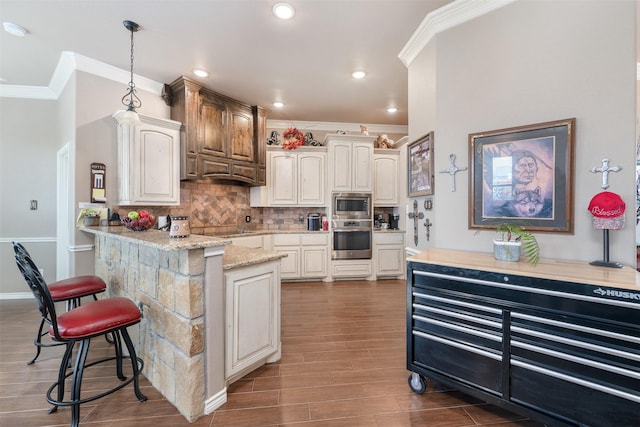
(253, 57)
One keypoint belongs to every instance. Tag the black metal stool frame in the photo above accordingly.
(71, 303)
(47, 308)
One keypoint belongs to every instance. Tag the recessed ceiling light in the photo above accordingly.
(359, 74)
(278, 104)
(15, 29)
(200, 73)
(283, 10)
(392, 110)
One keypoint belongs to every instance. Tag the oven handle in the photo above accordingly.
(351, 229)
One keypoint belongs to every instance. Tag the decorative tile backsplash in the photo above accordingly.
(215, 208)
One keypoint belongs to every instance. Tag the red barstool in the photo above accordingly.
(79, 325)
(69, 291)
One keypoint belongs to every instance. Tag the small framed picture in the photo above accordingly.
(421, 166)
(523, 175)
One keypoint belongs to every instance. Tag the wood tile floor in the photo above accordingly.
(343, 364)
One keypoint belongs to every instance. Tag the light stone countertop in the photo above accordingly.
(240, 256)
(157, 239)
(234, 256)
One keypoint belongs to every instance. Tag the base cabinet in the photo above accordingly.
(557, 350)
(389, 254)
(307, 255)
(252, 317)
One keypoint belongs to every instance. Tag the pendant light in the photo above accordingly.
(130, 99)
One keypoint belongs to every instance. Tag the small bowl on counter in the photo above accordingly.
(139, 224)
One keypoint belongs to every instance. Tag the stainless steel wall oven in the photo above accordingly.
(351, 239)
(351, 226)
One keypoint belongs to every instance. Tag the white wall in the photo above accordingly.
(532, 62)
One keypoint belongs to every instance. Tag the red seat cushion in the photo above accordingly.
(96, 318)
(76, 287)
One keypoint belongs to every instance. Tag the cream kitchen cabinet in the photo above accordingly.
(148, 162)
(252, 317)
(350, 163)
(389, 254)
(294, 178)
(307, 254)
(386, 177)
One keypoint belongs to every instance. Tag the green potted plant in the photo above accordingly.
(512, 239)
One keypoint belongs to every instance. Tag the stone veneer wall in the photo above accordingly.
(170, 286)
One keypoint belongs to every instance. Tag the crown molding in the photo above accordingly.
(67, 64)
(443, 18)
(335, 126)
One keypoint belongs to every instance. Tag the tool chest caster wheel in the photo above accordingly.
(417, 383)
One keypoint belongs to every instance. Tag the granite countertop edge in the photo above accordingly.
(239, 256)
(158, 239)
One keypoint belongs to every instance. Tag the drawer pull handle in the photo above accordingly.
(576, 359)
(574, 343)
(566, 325)
(459, 303)
(474, 319)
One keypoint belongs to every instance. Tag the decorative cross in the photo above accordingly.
(605, 169)
(415, 215)
(428, 225)
(452, 170)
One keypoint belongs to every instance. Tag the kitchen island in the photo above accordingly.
(187, 331)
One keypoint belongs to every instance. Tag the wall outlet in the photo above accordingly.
(247, 218)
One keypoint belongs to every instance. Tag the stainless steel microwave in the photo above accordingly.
(351, 206)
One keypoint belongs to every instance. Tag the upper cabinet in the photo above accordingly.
(386, 177)
(294, 178)
(149, 162)
(350, 163)
(222, 137)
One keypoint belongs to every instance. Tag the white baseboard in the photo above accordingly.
(215, 401)
(16, 295)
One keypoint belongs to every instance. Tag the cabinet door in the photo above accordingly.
(290, 265)
(159, 167)
(340, 166)
(390, 260)
(385, 182)
(311, 178)
(149, 163)
(241, 134)
(252, 316)
(362, 172)
(283, 184)
(213, 126)
(314, 261)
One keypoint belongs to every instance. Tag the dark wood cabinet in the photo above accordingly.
(222, 137)
(559, 343)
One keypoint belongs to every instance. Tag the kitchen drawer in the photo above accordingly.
(462, 321)
(466, 363)
(351, 268)
(314, 239)
(555, 393)
(386, 238)
(286, 239)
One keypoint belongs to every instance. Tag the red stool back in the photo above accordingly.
(69, 291)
